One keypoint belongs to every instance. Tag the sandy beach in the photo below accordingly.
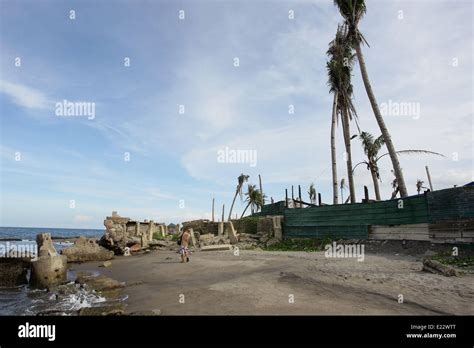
(286, 283)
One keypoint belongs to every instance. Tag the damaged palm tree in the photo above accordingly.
(242, 178)
(254, 200)
(339, 68)
(312, 193)
(352, 11)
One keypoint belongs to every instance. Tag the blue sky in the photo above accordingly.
(418, 54)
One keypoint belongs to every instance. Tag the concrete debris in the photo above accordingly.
(13, 272)
(122, 232)
(107, 264)
(49, 268)
(434, 266)
(87, 249)
(216, 247)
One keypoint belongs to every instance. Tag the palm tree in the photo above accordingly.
(371, 150)
(254, 199)
(419, 185)
(312, 193)
(238, 191)
(352, 11)
(339, 67)
(333, 89)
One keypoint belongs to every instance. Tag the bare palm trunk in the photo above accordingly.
(378, 116)
(244, 210)
(232, 206)
(347, 142)
(335, 190)
(376, 183)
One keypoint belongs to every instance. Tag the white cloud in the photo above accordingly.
(25, 96)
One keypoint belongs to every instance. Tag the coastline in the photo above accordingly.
(260, 283)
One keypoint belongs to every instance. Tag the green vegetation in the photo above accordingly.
(174, 237)
(300, 244)
(158, 236)
(457, 261)
(248, 224)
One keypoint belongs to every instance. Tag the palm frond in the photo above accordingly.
(413, 152)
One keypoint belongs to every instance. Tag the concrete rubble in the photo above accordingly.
(269, 231)
(437, 267)
(87, 249)
(122, 232)
(13, 271)
(216, 247)
(49, 268)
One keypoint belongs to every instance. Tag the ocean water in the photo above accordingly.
(29, 233)
(22, 300)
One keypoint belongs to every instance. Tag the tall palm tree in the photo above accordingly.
(254, 200)
(312, 193)
(339, 67)
(352, 11)
(371, 149)
(335, 190)
(238, 191)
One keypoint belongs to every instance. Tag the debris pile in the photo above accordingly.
(87, 249)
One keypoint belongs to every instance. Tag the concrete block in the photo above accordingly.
(231, 233)
(216, 247)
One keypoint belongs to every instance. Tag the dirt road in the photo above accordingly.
(262, 282)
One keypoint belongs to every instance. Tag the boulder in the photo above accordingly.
(86, 249)
(99, 283)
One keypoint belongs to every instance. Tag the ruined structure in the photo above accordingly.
(122, 232)
(202, 226)
(49, 268)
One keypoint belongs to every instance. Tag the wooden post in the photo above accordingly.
(429, 178)
(299, 195)
(292, 193)
(213, 210)
(286, 198)
(261, 189)
(366, 194)
(223, 208)
(319, 199)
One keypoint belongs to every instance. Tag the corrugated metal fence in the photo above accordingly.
(352, 220)
(446, 214)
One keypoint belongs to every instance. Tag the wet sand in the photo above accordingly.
(270, 283)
